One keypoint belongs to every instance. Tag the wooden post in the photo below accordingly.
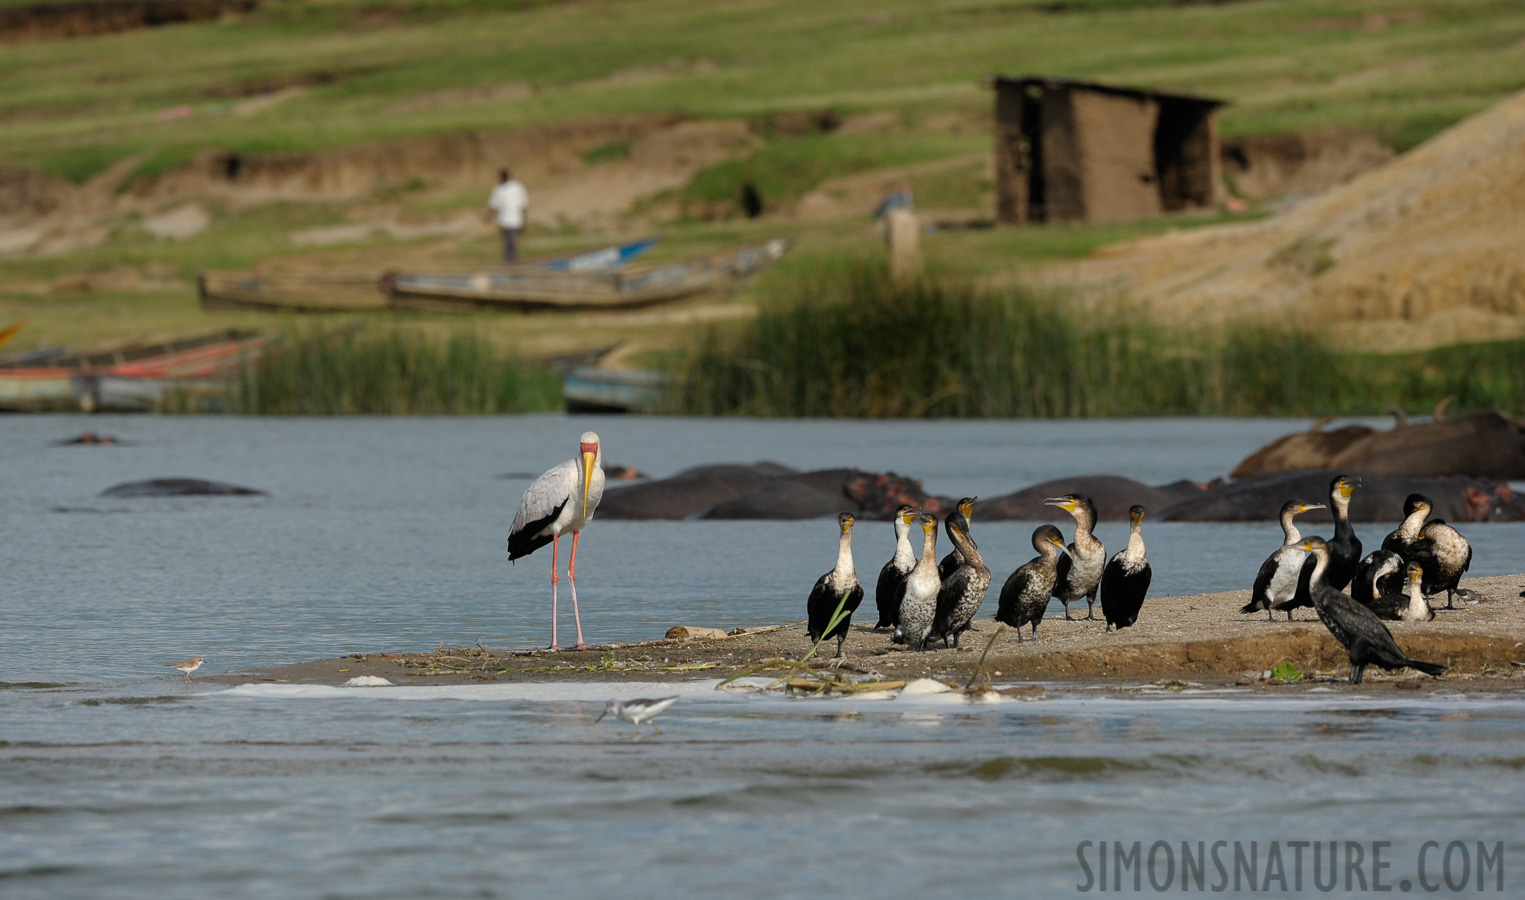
(903, 236)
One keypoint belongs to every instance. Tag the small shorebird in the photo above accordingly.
(637, 711)
(187, 666)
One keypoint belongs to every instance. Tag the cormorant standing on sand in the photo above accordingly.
(1281, 578)
(1408, 607)
(1024, 597)
(963, 590)
(1445, 556)
(960, 516)
(1381, 572)
(1355, 626)
(895, 571)
(1344, 547)
(1444, 559)
(1080, 568)
(830, 587)
(918, 593)
(1125, 580)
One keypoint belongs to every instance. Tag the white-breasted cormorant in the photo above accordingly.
(1409, 606)
(1281, 578)
(561, 500)
(918, 593)
(962, 512)
(1381, 572)
(886, 590)
(1445, 556)
(1125, 580)
(1356, 627)
(830, 588)
(1080, 568)
(1025, 595)
(1416, 508)
(963, 590)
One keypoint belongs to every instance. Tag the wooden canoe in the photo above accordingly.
(130, 378)
(589, 390)
(523, 289)
(358, 291)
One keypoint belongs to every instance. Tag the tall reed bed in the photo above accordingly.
(393, 372)
(850, 342)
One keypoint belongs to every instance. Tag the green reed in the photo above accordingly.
(852, 343)
(393, 372)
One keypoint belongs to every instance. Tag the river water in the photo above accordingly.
(119, 780)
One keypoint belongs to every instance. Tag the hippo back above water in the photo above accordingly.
(180, 487)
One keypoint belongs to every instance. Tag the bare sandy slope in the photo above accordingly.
(1427, 249)
(1202, 637)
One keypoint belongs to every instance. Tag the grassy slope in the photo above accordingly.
(1403, 68)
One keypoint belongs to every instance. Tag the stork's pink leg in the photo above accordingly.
(555, 548)
(572, 577)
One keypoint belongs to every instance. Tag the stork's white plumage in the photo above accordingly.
(560, 501)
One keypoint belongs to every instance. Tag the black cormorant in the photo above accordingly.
(963, 590)
(895, 571)
(1125, 580)
(1344, 547)
(1025, 595)
(1080, 568)
(1445, 556)
(1381, 572)
(918, 593)
(1409, 606)
(960, 516)
(1355, 626)
(830, 588)
(1281, 578)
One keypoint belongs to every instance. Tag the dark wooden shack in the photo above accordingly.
(1072, 151)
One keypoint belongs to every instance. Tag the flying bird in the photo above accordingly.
(560, 501)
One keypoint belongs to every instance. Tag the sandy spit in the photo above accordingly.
(1197, 638)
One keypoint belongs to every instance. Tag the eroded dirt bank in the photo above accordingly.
(1201, 637)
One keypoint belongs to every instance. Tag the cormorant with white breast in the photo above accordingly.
(894, 572)
(1025, 595)
(1080, 568)
(1409, 606)
(831, 587)
(918, 593)
(963, 590)
(1445, 556)
(1416, 508)
(561, 500)
(1281, 578)
(1125, 580)
(1353, 625)
(962, 512)
(1381, 572)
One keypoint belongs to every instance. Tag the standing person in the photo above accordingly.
(509, 200)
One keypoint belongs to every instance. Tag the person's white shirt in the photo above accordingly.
(509, 199)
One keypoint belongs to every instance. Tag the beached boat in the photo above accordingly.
(356, 291)
(589, 390)
(526, 289)
(131, 378)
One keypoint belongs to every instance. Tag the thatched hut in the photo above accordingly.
(1072, 151)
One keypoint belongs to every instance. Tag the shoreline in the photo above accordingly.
(1201, 637)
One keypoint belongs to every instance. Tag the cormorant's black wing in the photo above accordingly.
(1062, 580)
(1260, 594)
(885, 596)
(1007, 609)
(820, 606)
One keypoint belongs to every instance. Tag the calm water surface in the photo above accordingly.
(118, 780)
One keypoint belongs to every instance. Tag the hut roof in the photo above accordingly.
(1054, 81)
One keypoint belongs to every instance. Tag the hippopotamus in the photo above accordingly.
(1113, 495)
(179, 487)
(1378, 499)
(1483, 445)
(767, 490)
